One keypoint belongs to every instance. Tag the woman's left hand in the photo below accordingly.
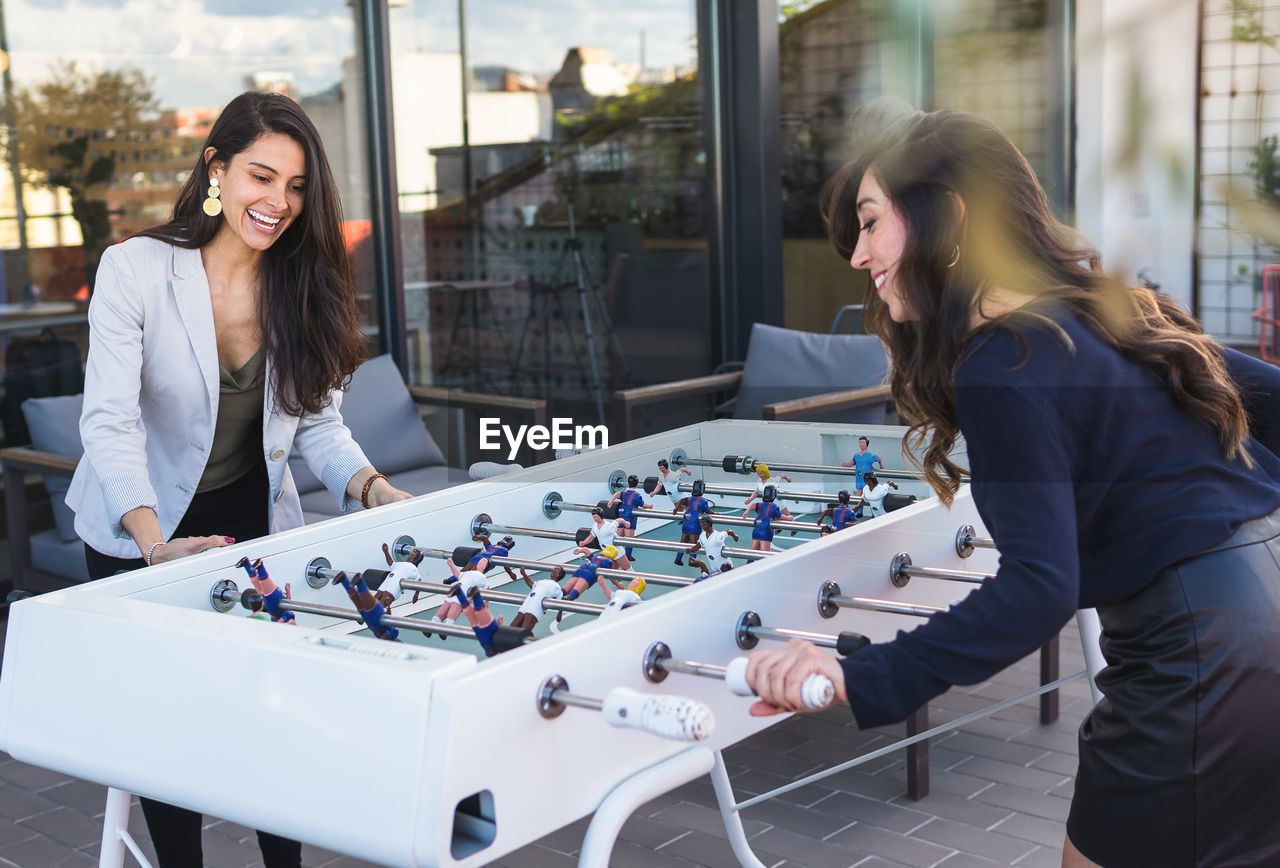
(382, 492)
(777, 676)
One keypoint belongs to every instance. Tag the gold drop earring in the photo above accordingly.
(213, 204)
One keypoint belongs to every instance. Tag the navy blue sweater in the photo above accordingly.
(1091, 480)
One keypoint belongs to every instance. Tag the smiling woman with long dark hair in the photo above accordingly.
(217, 343)
(1120, 458)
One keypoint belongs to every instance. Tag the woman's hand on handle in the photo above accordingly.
(777, 675)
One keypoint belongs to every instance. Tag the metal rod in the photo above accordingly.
(651, 578)
(888, 606)
(825, 469)
(508, 598)
(907, 742)
(564, 697)
(967, 540)
(351, 615)
(817, 692)
(541, 533)
(389, 620)
(505, 597)
(950, 575)
(802, 496)
(822, 640)
(717, 517)
(830, 601)
(636, 542)
(901, 571)
(689, 667)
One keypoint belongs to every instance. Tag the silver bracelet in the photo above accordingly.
(152, 550)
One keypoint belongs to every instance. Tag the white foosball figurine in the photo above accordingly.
(628, 596)
(532, 609)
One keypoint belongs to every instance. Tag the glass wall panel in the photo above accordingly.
(1239, 167)
(832, 57)
(990, 57)
(552, 175)
(995, 58)
(106, 105)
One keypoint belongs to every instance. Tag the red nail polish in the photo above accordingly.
(229, 540)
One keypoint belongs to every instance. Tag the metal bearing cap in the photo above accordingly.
(617, 481)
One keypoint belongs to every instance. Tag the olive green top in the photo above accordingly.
(237, 432)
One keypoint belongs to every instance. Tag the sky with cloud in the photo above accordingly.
(199, 52)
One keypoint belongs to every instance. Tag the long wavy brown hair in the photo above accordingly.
(307, 306)
(960, 185)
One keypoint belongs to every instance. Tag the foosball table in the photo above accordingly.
(425, 751)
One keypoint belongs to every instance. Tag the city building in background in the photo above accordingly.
(563, 198)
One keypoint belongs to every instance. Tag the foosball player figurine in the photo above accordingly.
(543, 589)
(466, 581)
(392, 587)
(480, 560)
(705, 574)
(763, 475)
(367, 605)
(604, 533)
(585, 576)
(669, 480)
(712, 543)
(493, 636)
(271, 596)
(694, 506)
(841, 514)
(766, 511)
(874, 493)
(862, 461)
(482, 622)
(627, 501)
(623, 599)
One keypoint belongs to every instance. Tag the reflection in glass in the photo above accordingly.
(575, 122)
(111, 102)
(990, 57)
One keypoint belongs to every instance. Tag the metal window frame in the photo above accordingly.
(738, 61)
(388, 256)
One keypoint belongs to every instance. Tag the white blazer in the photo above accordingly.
(151, 398)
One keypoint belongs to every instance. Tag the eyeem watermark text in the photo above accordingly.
(562, 434)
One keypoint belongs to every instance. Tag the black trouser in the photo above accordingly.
(175, 832)
(238, 510)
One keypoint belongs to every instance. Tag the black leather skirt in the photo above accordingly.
(1180, 762)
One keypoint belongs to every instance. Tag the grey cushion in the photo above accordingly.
(384, 420)
(421, 480)
(783, 364)
(52, 554)
(55, 427)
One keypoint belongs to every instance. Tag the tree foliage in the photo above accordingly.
(1247, 22)
(75, 130)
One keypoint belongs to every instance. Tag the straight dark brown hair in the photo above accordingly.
(307, 306)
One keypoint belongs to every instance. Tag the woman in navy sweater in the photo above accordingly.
(1120, 458)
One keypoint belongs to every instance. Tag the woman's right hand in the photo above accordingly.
(185, 546)
(777, 676)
